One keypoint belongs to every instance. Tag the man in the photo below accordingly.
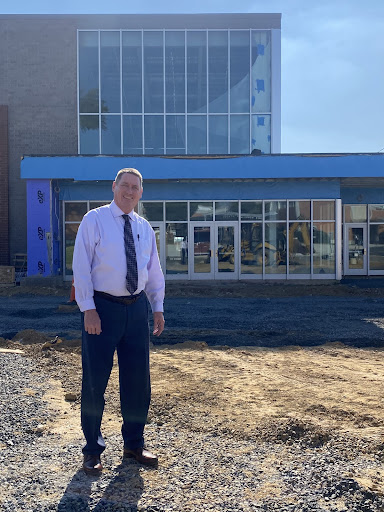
(116, 267)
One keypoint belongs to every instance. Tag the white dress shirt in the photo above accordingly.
(99, 261)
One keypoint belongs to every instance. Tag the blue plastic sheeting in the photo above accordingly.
(359, 195)
(39, 224)
(91, 168)
(101, 191)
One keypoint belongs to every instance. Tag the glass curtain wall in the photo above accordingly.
(376, 237)
(174, 91)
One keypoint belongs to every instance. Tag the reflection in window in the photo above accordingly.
(218, 135)
(175, 126)
(154, 135)
(131, 66)
(227, 210)
(176, 211)
(324, 210)
(275, 248)
(323, 247)
(218, 70)
(251, 210)
(299, 210)
(110, 71)
(275, 210)
(153, 72)
(251, 248)
(201, 211)
(175, 71)
(376, 247)
(261, 71)
(355, 213)
(196, 71)
(97, 204)
(197, 135)
(89, 71)
(89, 135)
(261, 133)
(111, 135)
(70, 236)
(176, 240)
(239, 143)
(152, 211)
(376, 213)
(239, 79)
(202, 257)
(132, 135)
(300, 248)
(75, 211)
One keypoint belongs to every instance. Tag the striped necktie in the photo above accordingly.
(130, 253)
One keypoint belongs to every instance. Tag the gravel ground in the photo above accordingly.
(234, 321)
(197, 472)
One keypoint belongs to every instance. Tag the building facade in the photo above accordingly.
(193, 102)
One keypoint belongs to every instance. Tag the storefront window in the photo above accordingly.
(251, 248)
(275, 248)
(376, 212)
(201, 211)
(275, 210)
(152, 211)
(355, 213)
(176, 211)
(376, 247)
(70, 236)
(75, 211)
(176, 248)
(252, 210)
(300, 248)
(227, 210)
(299, 210)
(323, 210)
(96, 204)
(323, 247)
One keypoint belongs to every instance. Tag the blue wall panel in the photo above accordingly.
(357, 195)
(38, 224)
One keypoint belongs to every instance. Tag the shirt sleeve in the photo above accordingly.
(155, 287)
(86, 239)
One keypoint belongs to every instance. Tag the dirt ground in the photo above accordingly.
(312, 396)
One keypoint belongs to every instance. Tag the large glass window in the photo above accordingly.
(376, 247)
(218, 135)
(261, 71)
(196, 71)
(89, 72)
(132, 72)
(218, 71)
(299, 210)
(110, 71)
(251, 210)
(111, 135)
(227, 210)
(175, 135)
(323, 247)
(175, 72)
(275, 210)
(300, 248)
(355, 213)
(176, 211)
(206, 74)
(152, 211)
(275, 248)
(199, 211)
(251, 248)
(376, 212)
(176, 248)
(132, 135)
(239, 78)
(153, 72)
(323, 210)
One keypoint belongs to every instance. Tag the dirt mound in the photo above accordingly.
(30, 337)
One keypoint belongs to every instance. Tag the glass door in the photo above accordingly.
(201, 250)
(355, 249)
(158, 228)
(226, 250)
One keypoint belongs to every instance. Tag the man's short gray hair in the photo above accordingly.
(129, 170)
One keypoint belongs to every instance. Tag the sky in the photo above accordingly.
(332, 63)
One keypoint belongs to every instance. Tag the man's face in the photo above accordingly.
(127, 192)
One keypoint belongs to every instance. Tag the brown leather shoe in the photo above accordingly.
(142, 456)
(92, 465)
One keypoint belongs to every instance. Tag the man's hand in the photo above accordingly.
(92, 322)
(158, 323)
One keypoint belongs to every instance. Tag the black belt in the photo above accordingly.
(126, 300)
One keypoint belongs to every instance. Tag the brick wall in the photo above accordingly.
(4, 234)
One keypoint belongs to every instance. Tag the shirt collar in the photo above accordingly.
(117, 212)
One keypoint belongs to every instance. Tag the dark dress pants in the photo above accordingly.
(125, 329)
